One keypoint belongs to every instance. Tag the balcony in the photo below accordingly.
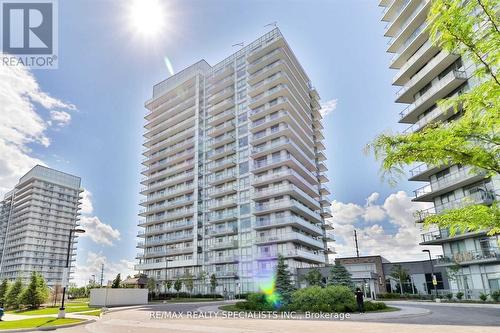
(170, 227)
(438, 64)
(267, 96)
(220, 85)
(392, 8)
(266, 223)
(290, 175)
(284, 144)
(410, 46)
(221, 128)
(168, 151)
(221, 117)
(221, 73)
(414, 63)
(224, 259)
(170, 251)
(222, 190)
(409, 16)
(225, 230)
(171, 192)
(182, 177)
(165, 121)
(172, 103)
(221, 140)
(217, 217)
(169, 216)
(221, 204)
(269, 82)
(485, 256)
(232, 244)
(437, 114)
(226, 274)
(290, 204)
(290, 161)
(222, 177)
(167, 240)
(221, 152)
(289, 237)
(265, 60)
(167, 205)
(221, 106)
(447, 183)
(224, 163)
(441, 236)
(285, 189)
(441, 89)
(219, 96)
(298, 254)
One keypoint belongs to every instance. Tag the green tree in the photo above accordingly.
(340, 276)
(314, 278)
(4, 287)
(284, 286)
(117, 281)
(151, 285)
(177, 286)
(203, 277)
(12, 297)
(189, 283)
(399, 273)
(213, 283)
(168, 284)
(36, 292)
(469, 29)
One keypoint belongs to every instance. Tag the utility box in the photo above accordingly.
(109, 297)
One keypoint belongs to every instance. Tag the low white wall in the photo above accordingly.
(118, 297)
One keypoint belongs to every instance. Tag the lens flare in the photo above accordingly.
(267, 285)
(168, 63)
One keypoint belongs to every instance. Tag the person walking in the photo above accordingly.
(359, 300)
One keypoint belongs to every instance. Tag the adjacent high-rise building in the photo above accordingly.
(427, 74)
(35, 222)
(234, 171)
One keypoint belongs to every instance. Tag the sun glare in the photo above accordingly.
(147, 17)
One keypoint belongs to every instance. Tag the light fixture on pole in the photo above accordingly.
(62, 312)
(434, 280)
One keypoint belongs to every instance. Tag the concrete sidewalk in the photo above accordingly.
(463, 305)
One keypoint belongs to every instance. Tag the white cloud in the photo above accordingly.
(60, 118)
(396, 239)
(92, 266)
(87, 207)
(327, 107)
(97, 231)
(22, 102)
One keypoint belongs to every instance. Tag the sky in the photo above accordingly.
(86, 117)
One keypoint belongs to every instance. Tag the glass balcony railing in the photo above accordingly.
(447, 79)
(466, 257)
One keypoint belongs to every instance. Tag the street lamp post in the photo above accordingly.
(432, 271)
(62, 313)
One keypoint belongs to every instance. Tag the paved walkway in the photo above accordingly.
(81, 315)
(461, 305)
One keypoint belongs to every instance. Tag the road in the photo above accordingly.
(428, 318)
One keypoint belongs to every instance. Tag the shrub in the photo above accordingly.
(449, 296)
(374, 306)
(483, 297)
(255, 302)
(495, 295)
(12, 296)
(329, 299)
(459, 295)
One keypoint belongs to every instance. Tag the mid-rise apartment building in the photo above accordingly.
(425, 75)
(234, 171)
(35, 222)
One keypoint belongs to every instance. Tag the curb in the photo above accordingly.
(50, 328)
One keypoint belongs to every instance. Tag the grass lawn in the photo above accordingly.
(70, 308)
(36, 322)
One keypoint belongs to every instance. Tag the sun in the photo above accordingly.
(147, 17)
